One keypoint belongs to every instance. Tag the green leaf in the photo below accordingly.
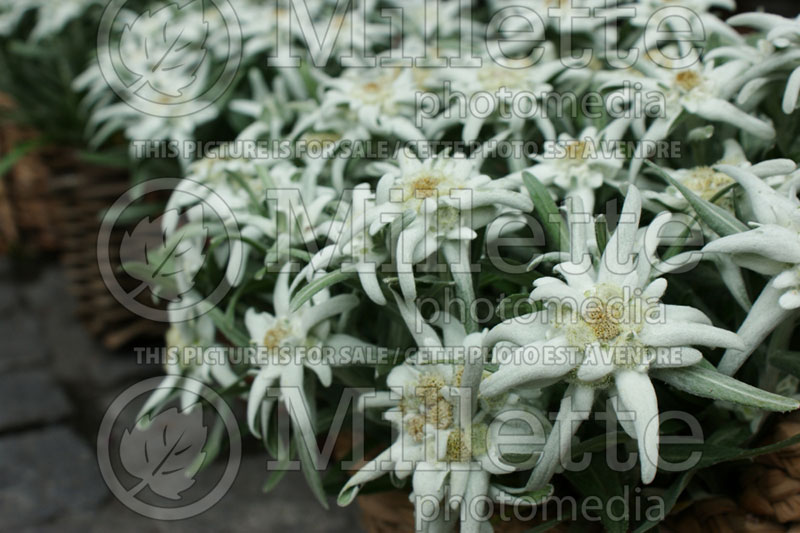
(18, 152)
(236, 336)
(515, 305)
(600, 481)
(674, 491)
(311, 474)
(669, 499)
(317, 285)
(708, 383)
(717, 218)
(713, 454)
(275, 476)
(601, 233)
(210, 450)
(786, 361)
(548, 213)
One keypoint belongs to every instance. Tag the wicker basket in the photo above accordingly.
(25, 203)
(82, 197)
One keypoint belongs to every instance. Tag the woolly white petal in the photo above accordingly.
(677, 357)
(637, 394)
(369, 282)
(329, 308)
(790, 299)
(688, 333)
(528, 363)
(723, 111)
(771, 241)
(258, 324)
(263, 380)
(423, 334)
(616, 262)
(596, 364)
(429, 480)
(769, 206)
(477, 489)
(575, 408)
(322, 370)
(792, 92)
(764, 316)
(521, 330)
(685, 313)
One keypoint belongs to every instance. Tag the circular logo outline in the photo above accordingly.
(168, 513)
(108, 68)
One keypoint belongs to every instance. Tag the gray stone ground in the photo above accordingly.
(55, 384)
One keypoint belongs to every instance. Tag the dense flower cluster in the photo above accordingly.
(393, 175)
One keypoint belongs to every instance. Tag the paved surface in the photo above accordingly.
(55, 385)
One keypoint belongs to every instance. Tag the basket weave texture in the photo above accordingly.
(26, 206)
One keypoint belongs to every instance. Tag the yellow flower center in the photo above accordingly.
(604, 321)
(424, 186)
(274, 337)
(440, 415)
(706, 182)
(577, 150)
(688, 80)
(415, 427)
(457, 448)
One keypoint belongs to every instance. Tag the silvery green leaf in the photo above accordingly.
(601, 233)
(319, 284)
(310, 472)
(277, 474)
(549, 215)
(708, 383)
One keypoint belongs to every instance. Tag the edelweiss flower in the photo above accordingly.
(446, 199)
(498, 85)
(783, 36)
(188, 340)
(284, 341)
(445, 439)
(360, 252)
(267, 106)
(772, 249)
(703, 91)
(710, 184)
(607, 327)
(265, 201)
(180, 83)
(578, 166)
(379, 99)
(657, 15)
